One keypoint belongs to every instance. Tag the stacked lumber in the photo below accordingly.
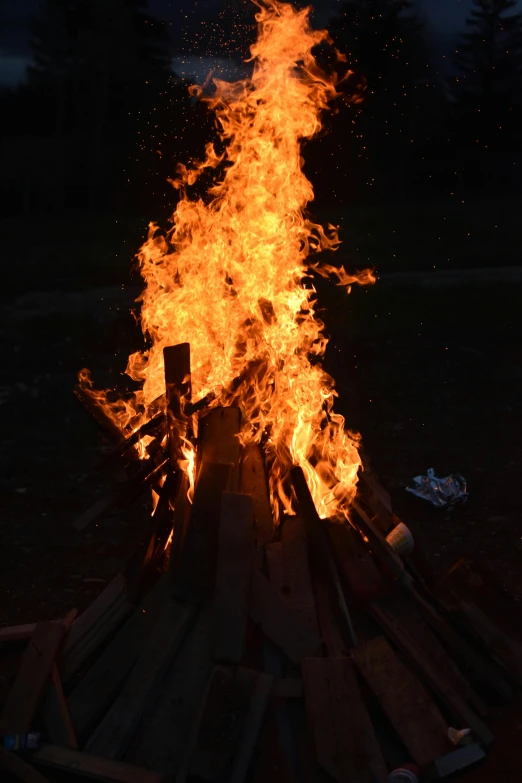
(232, 650)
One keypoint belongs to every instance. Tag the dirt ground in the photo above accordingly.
(430, 374)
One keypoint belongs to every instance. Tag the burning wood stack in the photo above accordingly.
(235, 650)
(265, 630)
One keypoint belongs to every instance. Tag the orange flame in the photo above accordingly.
(228, 277)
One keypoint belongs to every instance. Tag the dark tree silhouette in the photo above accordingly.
(383, 42)
(104, 64)
(487, 88)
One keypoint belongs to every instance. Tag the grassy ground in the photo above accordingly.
(74, 250)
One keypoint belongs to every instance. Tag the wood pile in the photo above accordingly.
(233, 651)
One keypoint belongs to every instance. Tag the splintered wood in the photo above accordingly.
(243, 651)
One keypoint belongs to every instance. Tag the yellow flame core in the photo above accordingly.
(228, 277)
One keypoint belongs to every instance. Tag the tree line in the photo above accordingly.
(102, 117)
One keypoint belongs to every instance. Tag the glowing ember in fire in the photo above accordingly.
(228, 276)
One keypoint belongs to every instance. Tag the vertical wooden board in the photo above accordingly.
(288, 570)
(233, 569)
(219, 440)
(115, 731)
(410, 709)
(259, 686)
(345, 743)
(321, 554)
(333, 641)
(34, 673)
(269, 762)
(218, 726)
(253, 482)
(282, 625)
(195, 575)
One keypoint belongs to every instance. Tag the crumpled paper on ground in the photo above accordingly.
(440, 492)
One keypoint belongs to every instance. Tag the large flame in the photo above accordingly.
(228, 277)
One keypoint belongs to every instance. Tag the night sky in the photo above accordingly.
(444, 17)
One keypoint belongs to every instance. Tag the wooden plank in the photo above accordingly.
(115, 731)
(17, 767)
(345, 744)
(355, 562)
(94, 613)
(102, 681)
(503, 648)
(412, 712)
(29, 685)
(233, 570)
(420, 663)
(482, 667)
(195, 576)
(282, 625)
(17, 633)
(329, 619)
(178, 385)
(70, 663)
(219, 440)
(253, 481)
(164, 733)
(404, 610)
(218, 726)
(377, 500)
(259, 686)
(287, 688)
(288, 570)
(93, 767)
(72, 742)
